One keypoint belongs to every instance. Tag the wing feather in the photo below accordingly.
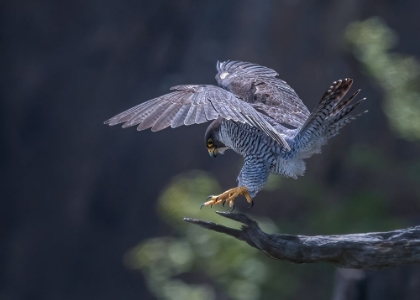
(194, 104)
(261, 87)
(211, 114)
(166, 117)
(180, 116)
(190, 118)
(200, 115)
(142, 114)
(128, 114)
(151, 118)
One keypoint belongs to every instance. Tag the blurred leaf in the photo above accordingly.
(398, 75)
(241, 271)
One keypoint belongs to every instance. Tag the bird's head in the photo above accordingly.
(213, 143)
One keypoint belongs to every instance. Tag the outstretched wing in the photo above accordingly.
(261, 87)
(194, 104)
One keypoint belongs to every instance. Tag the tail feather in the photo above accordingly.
(328, 102)
(331, 114)
(335, 128)
(345, 103)
(337, 116)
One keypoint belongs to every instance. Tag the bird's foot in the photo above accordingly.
(229, 196)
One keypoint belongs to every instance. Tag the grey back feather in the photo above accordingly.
(261, 87)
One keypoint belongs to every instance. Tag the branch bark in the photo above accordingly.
(357, 251)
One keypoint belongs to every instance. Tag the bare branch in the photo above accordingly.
(357, 251)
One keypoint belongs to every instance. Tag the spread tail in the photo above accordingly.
(331, 114)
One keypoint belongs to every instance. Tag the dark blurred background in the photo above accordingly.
(77, 196)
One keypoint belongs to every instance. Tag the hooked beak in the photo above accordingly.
(212, 152)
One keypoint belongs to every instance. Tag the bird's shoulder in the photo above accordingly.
(264, 90)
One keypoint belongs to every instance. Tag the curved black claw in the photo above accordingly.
(252, 204)
(209, 197)
(233, 207)
(201, 207)
(223, 203)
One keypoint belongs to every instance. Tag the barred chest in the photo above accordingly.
(249, 141)
(246, 140)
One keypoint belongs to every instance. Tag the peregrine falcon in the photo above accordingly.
(254, 113)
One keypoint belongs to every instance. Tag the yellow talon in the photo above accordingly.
(229, 196)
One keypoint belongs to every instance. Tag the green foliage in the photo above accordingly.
(398, 75)
(239, 270)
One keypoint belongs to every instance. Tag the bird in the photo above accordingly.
(254, 113)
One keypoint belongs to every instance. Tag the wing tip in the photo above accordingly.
(111, 122)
